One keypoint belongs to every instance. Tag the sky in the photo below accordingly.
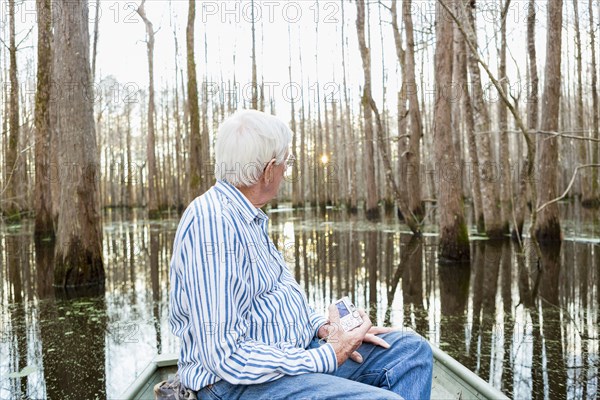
(286, 32)
(306, 30)
(283, 30)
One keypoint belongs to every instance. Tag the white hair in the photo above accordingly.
(246, 142)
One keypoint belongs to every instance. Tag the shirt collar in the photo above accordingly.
(248, 211)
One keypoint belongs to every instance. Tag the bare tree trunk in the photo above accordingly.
(401, 196)
(473, 171)
(548, 224)
(131, 169)
(312, 172)
(296, 199)
(100, 139)
(340, 148)
(359, 187)
(79, 231)
(506, 205)
(296, 202)
(4, 136)
(349, 168)
(178, 133)
(454, 236)
(122, 186)
(110, 155)
(402, 122)
(592, 198)
(54, 172)
(205, 174)
(43, 197)
(150, 141)
(385, 190)
(13, 196)
(328, 154)
(302, 170)
(254, 78)
(185, 161)
(166, 193)
(334, 167)
(585, 184)
(532, 121)
(319, 171)
(487, 167)
(456, 108)
(178, 157)
(95, 45)
(195, 158)
(372, 210)
(303, 151)
(171, 172)
(413, 155)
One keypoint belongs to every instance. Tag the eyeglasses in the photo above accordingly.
(288, 162)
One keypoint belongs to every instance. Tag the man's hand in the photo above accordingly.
(370, 337)
(323, 330)
(345, 343)
(376, 340)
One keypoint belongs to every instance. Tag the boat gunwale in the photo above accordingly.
(468, 376)
(456, 368)
(159, 361)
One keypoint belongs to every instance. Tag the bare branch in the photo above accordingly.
(383, 5)
(562, 196)
(411, 219)
(530, 145)
(25, 37)
(552, 133)
(491, 76)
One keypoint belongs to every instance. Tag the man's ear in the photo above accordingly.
(268, 174)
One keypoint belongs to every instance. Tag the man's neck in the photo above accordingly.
(253, 194)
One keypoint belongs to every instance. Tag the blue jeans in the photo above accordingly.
(401, 372)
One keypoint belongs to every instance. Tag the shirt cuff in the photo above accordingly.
(316, 322)
(324, 358)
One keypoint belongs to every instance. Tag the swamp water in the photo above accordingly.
(530, 333)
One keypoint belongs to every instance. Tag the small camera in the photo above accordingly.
(349, 316)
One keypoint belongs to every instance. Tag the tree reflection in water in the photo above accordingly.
(530, 330)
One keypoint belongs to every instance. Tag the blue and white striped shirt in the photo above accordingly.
(234, 304)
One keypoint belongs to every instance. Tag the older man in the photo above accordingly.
(245, 325)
